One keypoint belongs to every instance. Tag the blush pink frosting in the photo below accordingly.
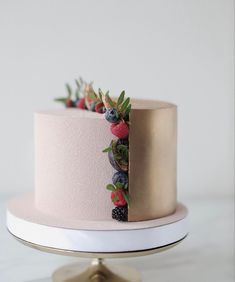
(71, 171)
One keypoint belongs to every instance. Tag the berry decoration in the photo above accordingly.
(120, 213)
(112, 115)
(118, 198)
(92, 107)
(120, 177)
(118, 155)
(100, 108)
(121, 129)
(81, 104)
(117, 113)
(67, 101)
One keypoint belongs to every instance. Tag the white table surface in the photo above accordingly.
(206, 255)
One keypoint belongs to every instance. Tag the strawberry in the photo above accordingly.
(99, 108)
(81, 103)
(121, 129)
(117, 198)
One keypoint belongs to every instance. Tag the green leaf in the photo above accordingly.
(106, 150)
(81, 80)
(100, 96)
(78, 84)
(122, 147)
(117, 157)
(128, 109)
(126, 186)
(121, 98)
(69, 90)
(115, 198)
(125, 105)
(77, 93)
(111, 187)
(110, 101)
(63, 100)
(119, 185)
(113, 145)
(124, 162)
(92, 95)
(126, 197)
(100, 92)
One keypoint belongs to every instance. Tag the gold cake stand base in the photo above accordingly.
(98, 271)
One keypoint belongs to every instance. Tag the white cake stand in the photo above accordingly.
(144, 238)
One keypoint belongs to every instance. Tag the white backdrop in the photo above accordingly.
(180, 51)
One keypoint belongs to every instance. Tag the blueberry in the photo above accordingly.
(76, 102)
(112, 115)
(92, 107)
(120, 177)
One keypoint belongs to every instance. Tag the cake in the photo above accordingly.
(105, 177)
(106, 159)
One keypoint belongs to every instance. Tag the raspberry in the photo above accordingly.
(99, 108)
(121, 129)
(81, 103)
(120, 213)
(120, 199)
(69, 103)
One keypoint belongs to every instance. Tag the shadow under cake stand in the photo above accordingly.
(95, 240)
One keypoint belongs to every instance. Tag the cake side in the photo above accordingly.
(152, 162)
(70, 168)
(71, 171)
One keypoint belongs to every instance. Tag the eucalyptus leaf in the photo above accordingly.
(92, 95)
(117, 157)
(124, 162)
(122, 147)
(106, 150)
(119, 185)
(78, 84)
(110, 101)
(110, 187)
(126, 197)
(100, 96)
(77, 93)
(121, 98)
(69, 90)
(128, 109)
(62, 99)
(115, 198)
(125, 104)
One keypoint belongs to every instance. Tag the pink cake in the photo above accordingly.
(71, 171)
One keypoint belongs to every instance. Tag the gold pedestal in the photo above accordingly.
(98, 271)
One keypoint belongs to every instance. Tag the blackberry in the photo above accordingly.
(120, 213)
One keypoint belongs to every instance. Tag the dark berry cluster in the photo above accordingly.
(120, 213)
